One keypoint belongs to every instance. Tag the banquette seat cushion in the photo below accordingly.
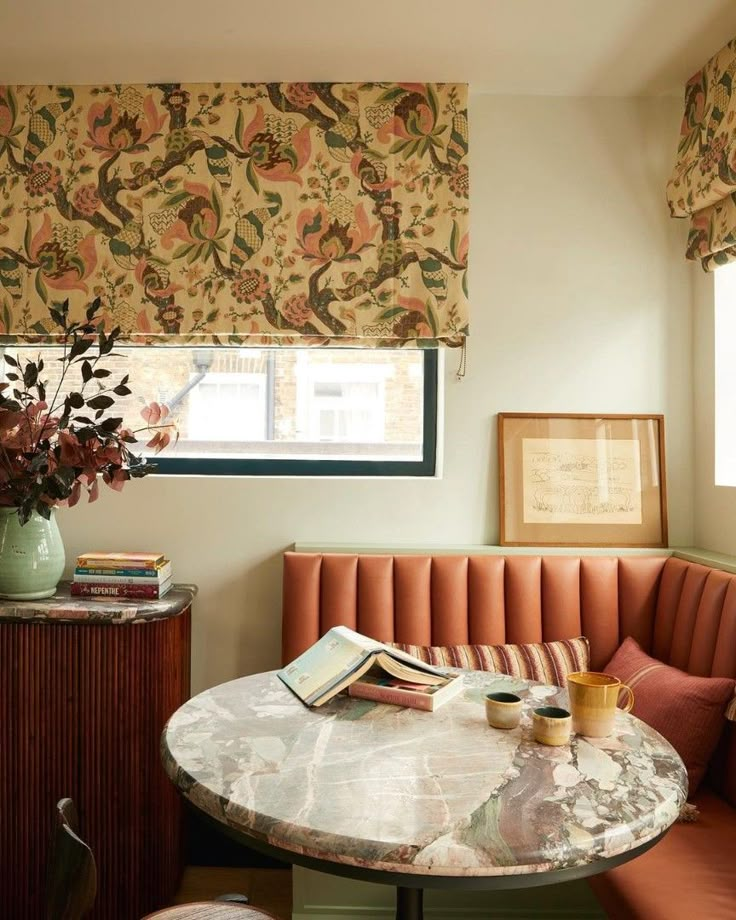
(679, 612)
(689, 875)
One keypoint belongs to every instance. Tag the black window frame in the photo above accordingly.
(276, 466)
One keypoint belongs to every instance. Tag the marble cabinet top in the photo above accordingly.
(64, 608)
(377, 786)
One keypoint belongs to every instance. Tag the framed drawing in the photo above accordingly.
(582, 480)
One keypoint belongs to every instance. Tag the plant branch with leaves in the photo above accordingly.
(53, 451)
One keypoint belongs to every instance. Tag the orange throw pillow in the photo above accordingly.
(688, 711)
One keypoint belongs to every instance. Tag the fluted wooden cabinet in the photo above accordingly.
(86, 687)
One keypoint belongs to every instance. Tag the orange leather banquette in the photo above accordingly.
(680, 612)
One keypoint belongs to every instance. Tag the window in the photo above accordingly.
(725, 375)
(346, 401)
(300, 411)
(232, 403)
(348, 411)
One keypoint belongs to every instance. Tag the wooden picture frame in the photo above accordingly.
(582, 480)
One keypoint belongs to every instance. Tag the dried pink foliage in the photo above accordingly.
(52, 452)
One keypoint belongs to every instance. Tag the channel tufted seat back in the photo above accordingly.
(678, 611)
(479, 600)
(695, 622)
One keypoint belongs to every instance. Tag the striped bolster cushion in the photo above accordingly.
(547, 662)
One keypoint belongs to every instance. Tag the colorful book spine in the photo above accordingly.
(97, 589)
(125, 576)
(381, 694)
(118, 570)
(106, 579)
(120, 560)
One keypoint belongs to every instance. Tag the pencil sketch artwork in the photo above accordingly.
(581, 481)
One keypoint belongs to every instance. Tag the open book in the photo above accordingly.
(340, 657)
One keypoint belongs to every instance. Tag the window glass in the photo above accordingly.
(725, 375)
(284, 404)
(230, 403)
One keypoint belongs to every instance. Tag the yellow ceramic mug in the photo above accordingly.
(593, 702)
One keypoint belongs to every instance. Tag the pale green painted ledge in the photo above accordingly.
(690, 553)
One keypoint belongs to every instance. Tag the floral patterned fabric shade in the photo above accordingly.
(703, 182)
(292, 213)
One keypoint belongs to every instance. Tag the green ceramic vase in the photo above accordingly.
(31, 557)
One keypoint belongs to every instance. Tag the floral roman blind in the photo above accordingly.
(278, 213)
(703, 182)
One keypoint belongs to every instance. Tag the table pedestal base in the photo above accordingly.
(409, 903)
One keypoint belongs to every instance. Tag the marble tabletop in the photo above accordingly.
(64, 608)
(381, 787)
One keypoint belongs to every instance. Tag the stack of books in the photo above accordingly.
(141, 575)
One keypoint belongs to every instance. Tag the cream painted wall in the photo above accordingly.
(581, 302)
(715, 517)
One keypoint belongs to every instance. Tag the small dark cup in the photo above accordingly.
(503, 710)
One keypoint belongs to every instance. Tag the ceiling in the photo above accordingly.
(549, 47)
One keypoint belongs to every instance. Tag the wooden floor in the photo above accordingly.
(269, 889)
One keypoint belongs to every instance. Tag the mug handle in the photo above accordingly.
(630, 700)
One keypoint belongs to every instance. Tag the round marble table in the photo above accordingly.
(421, 800)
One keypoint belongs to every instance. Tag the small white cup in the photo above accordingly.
(551, 725)
(503, 710)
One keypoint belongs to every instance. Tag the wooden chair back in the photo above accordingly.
(72, 876)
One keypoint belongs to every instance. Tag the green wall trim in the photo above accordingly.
(475, 549)
(688, 553)
(706, 557)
